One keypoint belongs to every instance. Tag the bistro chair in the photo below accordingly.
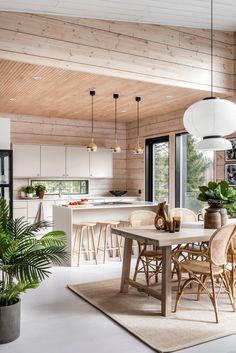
(231, 259)
(185, 214)
(149, 258)
(213, 267)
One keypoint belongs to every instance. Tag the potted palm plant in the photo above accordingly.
(40, 190)
(24, 262)
(221, 198)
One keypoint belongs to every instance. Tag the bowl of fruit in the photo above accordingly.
(83, 201)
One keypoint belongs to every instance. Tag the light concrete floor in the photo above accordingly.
(55, 320)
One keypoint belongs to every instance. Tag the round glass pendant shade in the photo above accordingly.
(211, 117)
(214, 143)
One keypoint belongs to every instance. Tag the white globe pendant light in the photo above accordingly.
(211, 118)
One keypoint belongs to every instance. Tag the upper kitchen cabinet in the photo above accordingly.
(101, 163)
(26, 161)
(53, 161)
(77, 162)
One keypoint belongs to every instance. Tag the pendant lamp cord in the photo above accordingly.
(92, 94)
(138, 99)
(211, 48)
(116, 119)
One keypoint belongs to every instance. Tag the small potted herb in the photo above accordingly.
(23, 191)
(40, 190)
(29, 191)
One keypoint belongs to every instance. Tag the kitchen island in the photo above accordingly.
(65, 217)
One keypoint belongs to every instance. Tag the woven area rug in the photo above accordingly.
(140, 314)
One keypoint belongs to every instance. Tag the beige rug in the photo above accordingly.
(139, 314)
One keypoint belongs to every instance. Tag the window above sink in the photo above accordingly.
(64, 187)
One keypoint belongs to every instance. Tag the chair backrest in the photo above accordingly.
(233, 245)
(185, 214)
(141, 218)
(219, 244)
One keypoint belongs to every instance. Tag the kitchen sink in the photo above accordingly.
(113, 203)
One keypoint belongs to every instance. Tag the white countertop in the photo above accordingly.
(78, 197)
(121, 205)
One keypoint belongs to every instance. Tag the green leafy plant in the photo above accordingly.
(23, 188)
(40, 187)
(219, 194)
(24, 259)
(29, 189)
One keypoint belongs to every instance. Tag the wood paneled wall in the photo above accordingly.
(160, 54)
(40, 130)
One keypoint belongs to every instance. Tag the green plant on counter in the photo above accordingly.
(23, 189)
(24, 259)
(29, 189)
(219, 195)
(40, 187)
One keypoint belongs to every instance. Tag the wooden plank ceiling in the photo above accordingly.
(188, 13)
(52, 92)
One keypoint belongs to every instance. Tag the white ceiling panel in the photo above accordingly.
(186, 13)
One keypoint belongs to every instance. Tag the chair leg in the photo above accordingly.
(214, 300)
(229, 290)
(80, 243)
(93, 244)
(105, 244)
(119, 247)
(99, 238)
(75, 238)
(147, 271)
(112, 251)
(88, 241)
(136, 268)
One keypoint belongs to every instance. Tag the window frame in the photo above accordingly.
(149, 165)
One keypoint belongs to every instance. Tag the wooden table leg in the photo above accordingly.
(124, 286)
(166, 307)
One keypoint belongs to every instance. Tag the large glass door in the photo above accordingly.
(157, 169)
(193, 169)
(6, 187)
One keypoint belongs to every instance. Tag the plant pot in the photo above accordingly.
(9, 322)
(40, 194)
(22, 194)
(224, 216)
(212, 218)
(30, 196)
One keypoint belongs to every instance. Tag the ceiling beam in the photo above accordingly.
(156, 54)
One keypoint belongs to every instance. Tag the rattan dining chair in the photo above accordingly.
(213, 267)
(185, 214)
(149, 258)
(231, 259)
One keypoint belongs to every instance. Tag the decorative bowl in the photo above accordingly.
(118, 193)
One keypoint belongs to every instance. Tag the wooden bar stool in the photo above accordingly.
(105, 231)
(79, 237)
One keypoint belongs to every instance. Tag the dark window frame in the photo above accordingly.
(149, 164)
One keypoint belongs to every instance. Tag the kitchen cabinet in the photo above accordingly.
(53, 161)
(77, 162)
(101, 163)
(26, 161)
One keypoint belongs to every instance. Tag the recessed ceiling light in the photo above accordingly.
(123, 111)
(12, 99)
(37, 78)
(169, 97)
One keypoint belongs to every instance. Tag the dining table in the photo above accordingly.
(189, 233)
